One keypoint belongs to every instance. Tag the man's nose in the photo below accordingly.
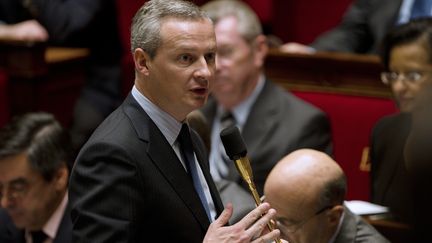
(204, 69)
(5, 201)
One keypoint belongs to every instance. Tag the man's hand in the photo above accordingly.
(249, 229)
(29, 30)
(293, 47)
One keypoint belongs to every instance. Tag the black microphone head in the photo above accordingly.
(233, 142)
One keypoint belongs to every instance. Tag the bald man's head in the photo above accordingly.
(302, 186)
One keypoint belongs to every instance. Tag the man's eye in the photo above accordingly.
(185, 58)
(225, 52)
(210, 57)
(414, 76)
(18, 187)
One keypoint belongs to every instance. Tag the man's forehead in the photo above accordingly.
(14, 167)
(200, 28)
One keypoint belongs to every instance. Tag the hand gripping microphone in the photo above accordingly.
(236, 150)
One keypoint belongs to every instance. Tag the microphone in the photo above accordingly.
(236, 150)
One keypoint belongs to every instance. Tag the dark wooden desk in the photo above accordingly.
(395, 232)
(42, 78)
(338, 73)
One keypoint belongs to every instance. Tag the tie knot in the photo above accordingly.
(227, 120)
(184, 138)
(38, 236)
(184, 135)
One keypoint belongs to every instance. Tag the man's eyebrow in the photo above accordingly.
(18, 181)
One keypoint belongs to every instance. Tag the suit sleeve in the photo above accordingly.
(352, 34)
(103, 195)
(66, 20)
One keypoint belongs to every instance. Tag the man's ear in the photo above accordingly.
(260, 48)
(335, 214)
(141, 60)
(61, 178)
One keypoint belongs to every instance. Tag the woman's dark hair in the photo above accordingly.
(412, 31)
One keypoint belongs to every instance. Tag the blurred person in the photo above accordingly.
(364, 25)
(272, 121)
(307, 188)
(143, 171)
(34, 158)
(418, 160)
(75, 23)
(406, 57)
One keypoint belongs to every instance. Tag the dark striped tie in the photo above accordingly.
(187, 151)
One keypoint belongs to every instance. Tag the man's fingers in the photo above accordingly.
(225, 216)
(255, 214)
(257, 228)
(267, 238)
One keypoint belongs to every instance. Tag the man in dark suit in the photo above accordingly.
(143, 171)
(364, 25)
(77, 23)
(273, 122)
(34, 156)
(308, 188)
(406, 57)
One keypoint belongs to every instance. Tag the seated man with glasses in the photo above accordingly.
(307, 189)
(34, 152)
(406, 55)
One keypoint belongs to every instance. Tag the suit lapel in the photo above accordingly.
(260, 120)
(165, 159)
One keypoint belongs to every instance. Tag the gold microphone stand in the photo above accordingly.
(243, 166)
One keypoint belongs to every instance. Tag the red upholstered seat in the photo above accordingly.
(352, 119)
(4, 106)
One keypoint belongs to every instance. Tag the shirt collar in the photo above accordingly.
(51, 226)
(337, 229)
(166, 123)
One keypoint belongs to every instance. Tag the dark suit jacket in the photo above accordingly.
(363, 27)
(10, 234)
(278, 123)
(128, 184)
(389, 176)
(355, 229)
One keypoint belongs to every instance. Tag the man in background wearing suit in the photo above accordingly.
(406, 58)
(143, 171)
(364, 25)
(308, 188)
(34, 158)
(77, 23)
(273, 122)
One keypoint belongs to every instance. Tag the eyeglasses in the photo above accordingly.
(16, 190)
(292, 228)
(411, 77)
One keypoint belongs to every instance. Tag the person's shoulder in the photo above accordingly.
(295, 103)
(391, 122)
(364, 232)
